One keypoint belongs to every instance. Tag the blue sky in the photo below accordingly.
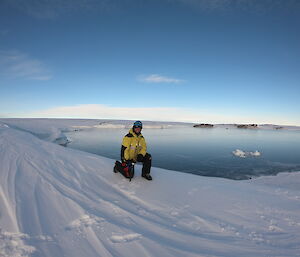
(220, 61)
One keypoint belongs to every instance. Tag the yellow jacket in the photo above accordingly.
(133, 145)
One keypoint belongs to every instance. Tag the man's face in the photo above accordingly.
(137, 130)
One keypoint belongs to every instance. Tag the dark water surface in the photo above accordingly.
(203, 151)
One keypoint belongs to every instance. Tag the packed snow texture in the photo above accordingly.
(11, 244)
(242, 154)
(57, 201)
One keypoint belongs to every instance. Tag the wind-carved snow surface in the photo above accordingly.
(56, 201)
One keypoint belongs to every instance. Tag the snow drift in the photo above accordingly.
(56, 201)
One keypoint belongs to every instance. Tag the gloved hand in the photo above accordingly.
(140, 158)
(127, 162)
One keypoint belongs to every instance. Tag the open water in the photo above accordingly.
(204, 151)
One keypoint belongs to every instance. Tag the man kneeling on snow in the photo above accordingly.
(134, 149)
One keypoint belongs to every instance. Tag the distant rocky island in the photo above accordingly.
(246, 126)
(240, 126)
(203, 125)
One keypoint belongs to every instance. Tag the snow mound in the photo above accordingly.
(242, 154)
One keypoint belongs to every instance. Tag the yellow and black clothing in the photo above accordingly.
(134, 148)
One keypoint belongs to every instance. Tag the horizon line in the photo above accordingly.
(112, 119)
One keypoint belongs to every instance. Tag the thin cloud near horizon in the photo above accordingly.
(156, 78)
(171, 114)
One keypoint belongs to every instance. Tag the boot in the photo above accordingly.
(147, 176)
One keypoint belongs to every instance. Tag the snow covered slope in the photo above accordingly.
(56, 201)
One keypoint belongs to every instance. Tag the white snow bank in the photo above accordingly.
(53, 129)
(56, 201)
(46, 129)
(242, 154)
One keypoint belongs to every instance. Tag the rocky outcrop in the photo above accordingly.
(203, 125)
(246, 126)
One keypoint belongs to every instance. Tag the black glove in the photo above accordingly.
(129, 162)
(140, 158)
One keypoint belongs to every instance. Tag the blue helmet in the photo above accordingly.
(138, 124)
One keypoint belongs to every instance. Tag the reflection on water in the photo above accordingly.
(204, 151)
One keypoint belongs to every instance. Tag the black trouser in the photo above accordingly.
(146, 160)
